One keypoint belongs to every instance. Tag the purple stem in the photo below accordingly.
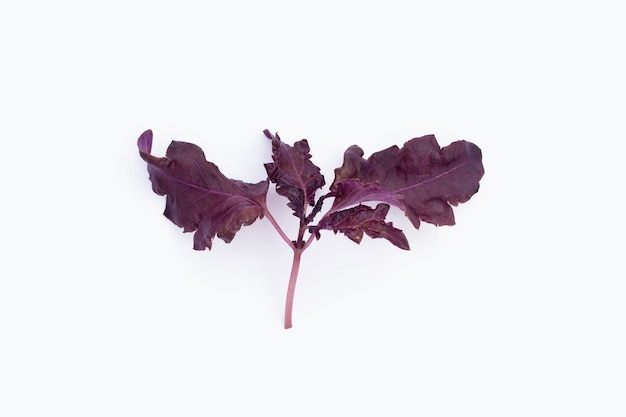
(291, 289)
(298, 247)
(277, 227)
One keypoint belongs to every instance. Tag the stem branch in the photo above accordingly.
(308, 242)
(277, 227)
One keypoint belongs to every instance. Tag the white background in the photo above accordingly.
(518, 310)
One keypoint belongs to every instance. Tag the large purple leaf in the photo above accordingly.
(295, 176)
(198, 196)
(429, 179)
(355, 221)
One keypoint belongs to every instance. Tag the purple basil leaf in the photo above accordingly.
(430, 179)
(198, 196)
(355, 221)
(295, 176)
(350, 192)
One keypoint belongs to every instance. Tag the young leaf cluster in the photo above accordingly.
(421, 179)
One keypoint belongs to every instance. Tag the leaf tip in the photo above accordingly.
(271, 136)
(144, 143)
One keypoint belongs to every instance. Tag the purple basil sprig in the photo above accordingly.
(420, 178)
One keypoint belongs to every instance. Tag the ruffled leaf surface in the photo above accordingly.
(199, 198)
(351, 192)
(356, 221)
(295, 176)
(429, 179)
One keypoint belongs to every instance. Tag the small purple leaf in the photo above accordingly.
(295, 176)
(355, 221)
